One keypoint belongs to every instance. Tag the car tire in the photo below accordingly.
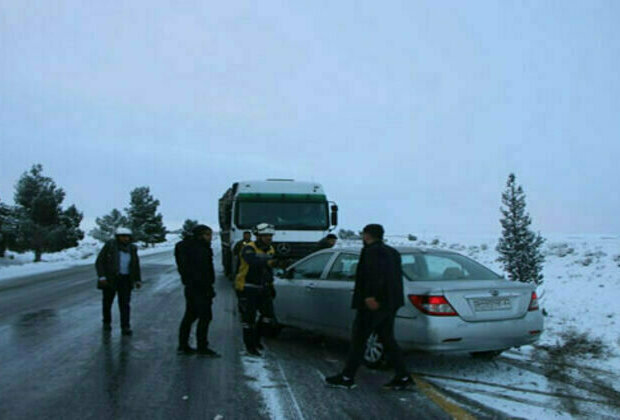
(374, 354)
(486, 355)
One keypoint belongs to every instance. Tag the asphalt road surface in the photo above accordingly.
(55, 361)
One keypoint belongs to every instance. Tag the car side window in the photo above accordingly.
(411, 266)
(344, 268)
(312, 268)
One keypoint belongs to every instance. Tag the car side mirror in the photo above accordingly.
(288, 274)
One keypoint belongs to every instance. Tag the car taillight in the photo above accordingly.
(433, 305)
(533, 303)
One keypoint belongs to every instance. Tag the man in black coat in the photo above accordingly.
(194, 258)
(327, 242)
(118, 270)
(378, 295)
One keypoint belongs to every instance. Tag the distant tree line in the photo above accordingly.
(38, 222)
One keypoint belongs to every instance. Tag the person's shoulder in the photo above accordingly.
(390, 248)
(250, 246)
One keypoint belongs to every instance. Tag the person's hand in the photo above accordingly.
(371, 303)
(103, 282)
(272, 263)
(138, 284)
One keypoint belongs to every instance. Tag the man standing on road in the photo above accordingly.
(327, 242)
(118, 269)
(378, 295)
(254, 286)
(194, 258)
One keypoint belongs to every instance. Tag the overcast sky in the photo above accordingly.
(410, 114)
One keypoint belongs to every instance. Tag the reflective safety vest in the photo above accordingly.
(252, 274)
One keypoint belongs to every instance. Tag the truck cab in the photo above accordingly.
(300, 212)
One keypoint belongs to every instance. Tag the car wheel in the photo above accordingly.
(374, 355)
(486, 355)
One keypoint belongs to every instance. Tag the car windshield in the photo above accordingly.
(283, 215)
(440, 266)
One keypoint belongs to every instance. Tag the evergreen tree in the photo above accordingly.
(107, 225)
(42, 224)
(188, 227)
(8, 227)
(146, 224)
(519, 247)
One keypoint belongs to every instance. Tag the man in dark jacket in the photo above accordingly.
(327, 242)
(194, 258)
(118, 269)
(378, 295)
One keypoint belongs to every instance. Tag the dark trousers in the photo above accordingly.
(381, 322)
(197, 307)
(254, 300)
(122, 286)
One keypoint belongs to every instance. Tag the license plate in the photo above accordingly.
(491, 304)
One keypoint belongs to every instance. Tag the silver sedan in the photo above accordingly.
(452, 303)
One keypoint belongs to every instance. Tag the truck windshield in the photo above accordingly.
(283, 215)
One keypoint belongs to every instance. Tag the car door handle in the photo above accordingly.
(310, 286)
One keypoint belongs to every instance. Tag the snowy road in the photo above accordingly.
(56, 363)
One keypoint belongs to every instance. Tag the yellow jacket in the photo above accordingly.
(254, 269)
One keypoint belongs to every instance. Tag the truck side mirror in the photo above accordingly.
(334, 218)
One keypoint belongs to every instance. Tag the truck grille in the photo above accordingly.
(294, 250)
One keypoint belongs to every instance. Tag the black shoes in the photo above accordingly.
(208, 353)
(253, 351)
(340, 381)
(127, 332)
(107, 327)
(399, 383)
(186, 350)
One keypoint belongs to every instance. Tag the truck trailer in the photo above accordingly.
(299, 211)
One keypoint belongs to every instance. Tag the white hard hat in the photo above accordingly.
(264, 229)
(122, 231)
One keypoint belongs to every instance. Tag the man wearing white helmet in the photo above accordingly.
(118, 270)
(254, 285)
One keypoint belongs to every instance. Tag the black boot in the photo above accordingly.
(250, 341)
(257, 339)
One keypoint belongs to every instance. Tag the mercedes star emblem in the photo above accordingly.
(284, 248)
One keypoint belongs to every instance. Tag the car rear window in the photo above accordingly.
(436, 266)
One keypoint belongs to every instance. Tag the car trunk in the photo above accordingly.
(488, 300)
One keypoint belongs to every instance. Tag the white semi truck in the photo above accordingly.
(300, 212)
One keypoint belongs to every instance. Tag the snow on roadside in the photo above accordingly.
(264, 384)
(20, 265)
